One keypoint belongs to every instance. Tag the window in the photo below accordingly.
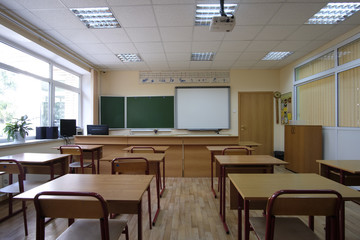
(27, 88)
(329, 94)
(316, 102)
(349, 98)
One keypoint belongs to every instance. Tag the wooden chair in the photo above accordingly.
(11, 167)
(91, 215)
(77, 152)
(132, 165)
(271, 227)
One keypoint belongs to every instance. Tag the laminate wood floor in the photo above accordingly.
(188, 212)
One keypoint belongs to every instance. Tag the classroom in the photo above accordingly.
(186, 80)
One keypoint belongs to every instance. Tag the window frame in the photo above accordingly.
(52, 83)
(333, 71)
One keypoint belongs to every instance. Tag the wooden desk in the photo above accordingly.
(259, 187)
(92, 149)
(348, 170)
(123, 193)
(242, 164)
(217, 150)
(158, 149)
(33, 162)
(154, 161)
(249, 144)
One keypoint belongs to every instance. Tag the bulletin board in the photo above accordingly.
(286, 108)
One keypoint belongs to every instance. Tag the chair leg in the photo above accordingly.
(24, 215)
(149, 206)
(126, 231)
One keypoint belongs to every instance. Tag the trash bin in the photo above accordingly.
(279, 154)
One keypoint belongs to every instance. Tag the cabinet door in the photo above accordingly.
(291, 148)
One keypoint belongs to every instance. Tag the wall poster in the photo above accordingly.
(286, 108)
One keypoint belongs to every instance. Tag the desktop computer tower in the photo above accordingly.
(52, 133)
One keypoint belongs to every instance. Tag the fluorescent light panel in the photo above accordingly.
(205, 12)
(96, 17)
(275, 56)
(334, 13)
(206, 56)
(129, 57)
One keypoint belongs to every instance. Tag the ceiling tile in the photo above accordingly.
(39, 4)
(151, 47)
(243, 33)
(175, 15)
(252, 56)
(114, 35)
(172, 47)
(128, 2)
(97, 48)
(275, 32)
(234, 46)
(59, 18)
(309, 32)
(222, 56)
(255, 13)
(80, 3)
(212, 46)
(121, 48)
(135, 16)
(262, 45)
(203, 34)
(79, 36)
(176, 33)
(197, 65)
(290, 46)
(143, 34)
(179, 65)
(149, 57)
(295, 13)
(178, 57)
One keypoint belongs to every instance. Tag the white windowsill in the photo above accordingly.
(28, 142)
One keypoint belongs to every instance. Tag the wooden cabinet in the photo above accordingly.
(303, 146)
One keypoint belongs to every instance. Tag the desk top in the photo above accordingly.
(120, 188)
(159, 149)
(249, 143)
(262, 186)
(151, 157)
(221, 148)
(35, 157)
(352, 166)
(248, 160)
(85, 147)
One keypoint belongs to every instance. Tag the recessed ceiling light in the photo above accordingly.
(205, 12)
(96, 17)
(275, 56)
(334, 13)
(206, 56)
(129, 57)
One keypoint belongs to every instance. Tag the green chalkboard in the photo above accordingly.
(112, 111)
(150, 112)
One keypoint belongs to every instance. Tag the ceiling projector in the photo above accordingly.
(222, 24)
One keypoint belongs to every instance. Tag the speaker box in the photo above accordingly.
(52, 133)
(40, 133)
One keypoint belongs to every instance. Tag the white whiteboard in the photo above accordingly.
(202, 108)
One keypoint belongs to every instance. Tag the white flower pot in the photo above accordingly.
(18, 138)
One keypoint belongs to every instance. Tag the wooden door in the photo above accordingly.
(256, 120)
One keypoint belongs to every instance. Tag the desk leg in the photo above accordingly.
(342, 177)
(157, 180)
(52, 172)
(223, 198)
(240, 207)
(342, 221)
(212, 173)
(163, 188)
(98, 160)
(246, 221)
(139, 220)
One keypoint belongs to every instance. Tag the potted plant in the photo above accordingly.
(18, 129)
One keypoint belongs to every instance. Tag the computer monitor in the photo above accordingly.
(67, 127)
(97, 130)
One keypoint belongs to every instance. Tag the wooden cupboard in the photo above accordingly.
(303, 146)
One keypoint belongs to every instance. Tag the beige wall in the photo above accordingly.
(126, 83)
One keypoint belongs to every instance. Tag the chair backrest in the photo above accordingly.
(88, 205)
(320, 202)
(11, 166)
(74, 150)
(130, 165)
(142, 149)
(236, 150)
